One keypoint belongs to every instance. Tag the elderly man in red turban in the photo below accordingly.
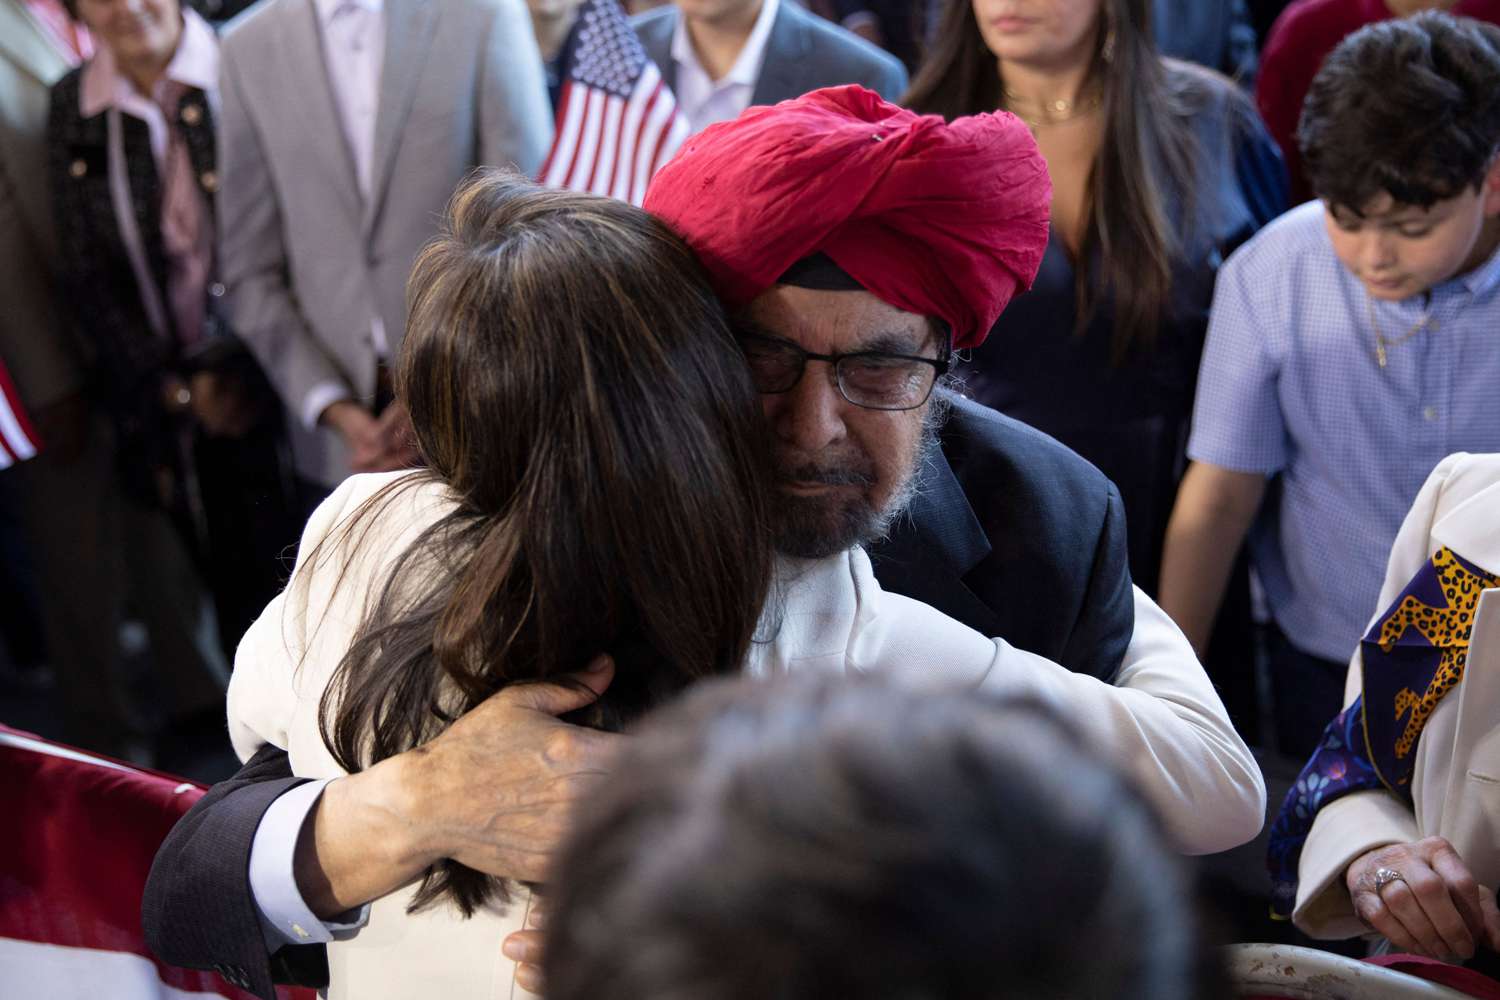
(856, 245)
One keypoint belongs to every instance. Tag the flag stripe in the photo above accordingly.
(588, 146)
(617, 121)
(604, 164)
(658, 127)
(17, 436)
(565, 132)
(568, 152)
(630, 131)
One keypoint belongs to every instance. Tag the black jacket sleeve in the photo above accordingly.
(198, 910)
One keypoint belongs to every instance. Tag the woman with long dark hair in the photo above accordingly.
(1159, 169)
(597, 482)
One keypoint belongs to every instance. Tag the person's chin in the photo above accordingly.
(815, 525)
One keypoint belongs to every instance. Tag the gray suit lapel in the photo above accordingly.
(302, 48)
(409, 28)
(25, 45)
(656, 39)
(783, 73)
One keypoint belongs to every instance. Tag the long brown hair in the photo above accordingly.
(1147, 150)
(573, 383)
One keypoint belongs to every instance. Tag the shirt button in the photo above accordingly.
(216, 289)
(1429, 413)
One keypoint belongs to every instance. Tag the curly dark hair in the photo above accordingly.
(1408, 107)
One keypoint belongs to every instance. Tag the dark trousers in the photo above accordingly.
(1307, 693)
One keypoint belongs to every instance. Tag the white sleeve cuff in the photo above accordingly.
(284, 915)
(321, 397)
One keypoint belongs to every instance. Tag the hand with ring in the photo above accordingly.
(1423, 897)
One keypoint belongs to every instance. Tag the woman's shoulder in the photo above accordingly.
(387, 505)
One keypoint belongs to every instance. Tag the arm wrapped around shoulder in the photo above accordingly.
(1161, 719)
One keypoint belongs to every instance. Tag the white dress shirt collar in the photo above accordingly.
(195, 64)
(704, 100)
(327, 8)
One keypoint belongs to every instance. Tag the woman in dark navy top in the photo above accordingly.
(1159, 170)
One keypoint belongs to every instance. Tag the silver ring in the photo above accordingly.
(1385, 876)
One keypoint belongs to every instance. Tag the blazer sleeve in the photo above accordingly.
(198, 910)
(515, 115)
(252, 254)
(1105, 626)
(1161, 717)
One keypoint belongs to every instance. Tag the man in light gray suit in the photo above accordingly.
(722, 56)
(346, 126)
(68, 495)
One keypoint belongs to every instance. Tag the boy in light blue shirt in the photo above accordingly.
(1353, 344)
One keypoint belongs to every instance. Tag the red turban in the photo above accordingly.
(946, 220)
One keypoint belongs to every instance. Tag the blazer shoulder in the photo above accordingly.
(982, 441)
(655, 26)
(64, 92)
(67, 129)
(838, 49)
(255, 25)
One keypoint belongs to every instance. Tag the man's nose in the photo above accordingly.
(809, 416)
(1379, 251)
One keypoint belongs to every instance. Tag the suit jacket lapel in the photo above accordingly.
(27, 46)
(409, 28)
(656, 39)
(781, 73)
(302, 45)
(930, 548)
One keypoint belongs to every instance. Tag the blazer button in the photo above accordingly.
(191, 114)
(209, 180)
(216, 289)
(77, 168)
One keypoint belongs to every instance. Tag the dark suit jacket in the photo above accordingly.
(1213, 33)
(804, 52)
(1010, 533)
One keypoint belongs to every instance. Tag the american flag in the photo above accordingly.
(617, 120)
(18, 441)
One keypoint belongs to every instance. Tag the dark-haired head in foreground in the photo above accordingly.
(1399, 138)
(819, 837)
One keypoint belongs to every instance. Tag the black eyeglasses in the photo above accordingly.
(875, 380)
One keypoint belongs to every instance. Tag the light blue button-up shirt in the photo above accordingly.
(1290, 385)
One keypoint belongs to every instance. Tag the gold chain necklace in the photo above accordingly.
(1058, 111)
(1382, 345)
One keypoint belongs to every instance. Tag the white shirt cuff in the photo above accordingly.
(322, 396)
(284, 915)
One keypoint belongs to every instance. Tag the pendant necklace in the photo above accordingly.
(1384, 344)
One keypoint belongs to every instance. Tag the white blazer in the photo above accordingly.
(1456, 783)
(1161, 719)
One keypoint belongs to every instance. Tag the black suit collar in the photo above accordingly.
(934, 544)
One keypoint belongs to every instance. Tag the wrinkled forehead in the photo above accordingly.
(837, 322)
